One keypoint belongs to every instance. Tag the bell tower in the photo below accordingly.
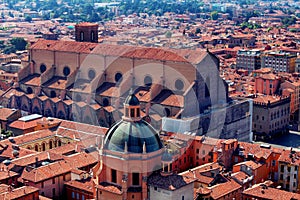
(86, 32)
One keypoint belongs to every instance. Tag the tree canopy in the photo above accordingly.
(19, 43)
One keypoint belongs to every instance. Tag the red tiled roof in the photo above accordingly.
(7, 174)
(110, 188)
(199, 172)
(7, 150)
(46, 172)
(24, 125)
(17, 192)
(6, 113)
(240, 176)
(263, 192)
(85, 185)
(266, 98)
(253, 165)
(86, 24)
(181, 55)
(39, 156)
(169, 181)
(290, 157)
(29, 137)
(82, 159)
(222, 189)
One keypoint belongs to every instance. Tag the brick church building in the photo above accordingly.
(88, 82)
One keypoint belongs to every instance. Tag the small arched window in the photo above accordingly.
(118, 77)
(50, 144)
(81, 36)
(29, 90)
(66, 71)
(105, 102)
(148, 80)
(52, 94)
(43, 68)
(44, 147)
(92, 36)
(91, 74)
(179, 84)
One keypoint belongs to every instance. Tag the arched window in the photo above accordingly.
(179, 84)
(148, 80)
(81, 36)
(29, 90)
(44, 146)
(59, 143)
(52, 94)
(43, 68)
(36, 147)
(50, 144)
(105, 102)
(66, 71)
(167, 112)
(91, 74)
(92, 36)
(118, 77)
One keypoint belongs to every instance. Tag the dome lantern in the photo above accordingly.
(132, 108)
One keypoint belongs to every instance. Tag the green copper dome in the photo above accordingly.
(132, 100)
(135, 134)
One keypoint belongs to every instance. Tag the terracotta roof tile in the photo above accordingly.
(39, 156)
(82, 159)
(46, 172)
(29, 137)
(24, 125)
(7, 150)
(200, 172)
(177, 55)
(110, 188)
(83, 185)
(251, 164)
(170, 181)
(262, 192)
(5, 113)
(222, 189)
(16, 193)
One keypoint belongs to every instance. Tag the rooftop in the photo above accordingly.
(169, 182)
(264, 192)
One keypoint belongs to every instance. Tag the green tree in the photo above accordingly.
(28, 18)
(9, 50)
(289, 21)
(19, 43)
(168, 34)
(214, 15)
(94, 17)
(10, 14)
